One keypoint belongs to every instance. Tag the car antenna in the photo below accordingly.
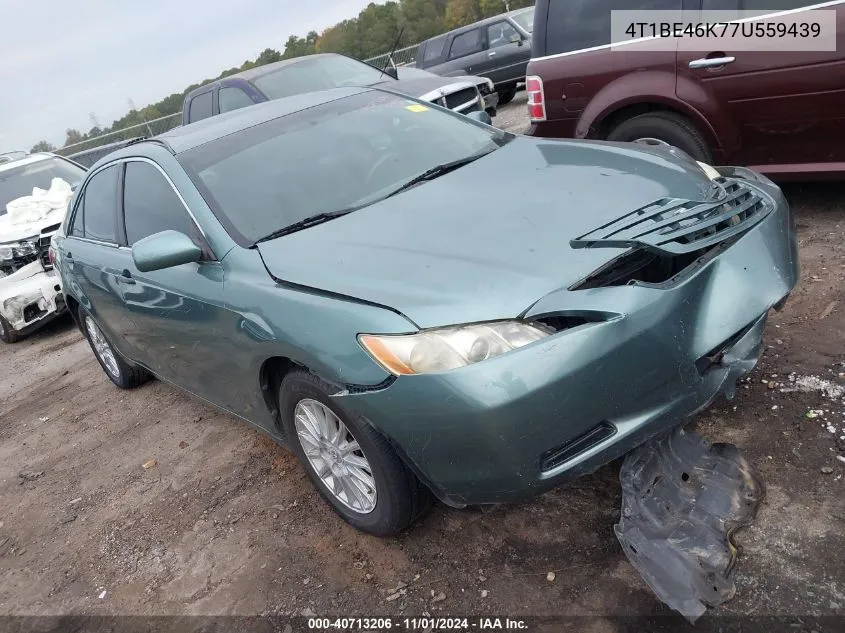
(392, 50)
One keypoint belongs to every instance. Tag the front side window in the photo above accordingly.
(201, 107)
(346, 153)
(466, 44)
(99, 205)
(500, 34)
(231, 98)
(525, 20)
(318, 73)
(150, 205)
(17, 182)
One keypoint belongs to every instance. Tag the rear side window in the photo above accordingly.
(433, 50)
(150, 205)
(201, 107)
(466, 44)
(233, 98)
(99, 206)
(578, 24)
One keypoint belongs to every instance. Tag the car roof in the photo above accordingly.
(24, 160)
(187, 137)
(480, 23)
(260, 71)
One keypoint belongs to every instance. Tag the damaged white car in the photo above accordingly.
(34, 194)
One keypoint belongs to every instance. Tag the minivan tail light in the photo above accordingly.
(536, 98)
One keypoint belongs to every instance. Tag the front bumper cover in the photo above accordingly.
(478, 434)
(30, 297)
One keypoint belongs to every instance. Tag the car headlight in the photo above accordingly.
(711, 172)
(449, 348)
(25, 247)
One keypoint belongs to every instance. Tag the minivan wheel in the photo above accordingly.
(668, 127)
(118, 370)
(352, 466)
(7, 332)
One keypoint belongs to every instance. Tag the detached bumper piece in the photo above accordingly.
(682, 501)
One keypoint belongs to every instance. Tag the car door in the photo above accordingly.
(172, 316)
(507, 53)
(91, 252)
(780, 107)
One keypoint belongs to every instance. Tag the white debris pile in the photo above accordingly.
(40, 204)
(814, 384)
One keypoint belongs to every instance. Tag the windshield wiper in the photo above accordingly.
(437, 171)
(304, 224)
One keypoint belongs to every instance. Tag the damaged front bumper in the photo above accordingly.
(524, 422)
(30, 297)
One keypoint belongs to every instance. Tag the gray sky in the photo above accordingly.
(60, 61)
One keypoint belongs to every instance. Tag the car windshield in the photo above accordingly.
(318, 73)
(525, 19)
(16, 182)
(345, 153)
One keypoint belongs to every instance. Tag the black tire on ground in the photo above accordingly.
(127, 376)
(400, 497)
(506, 95)
(669, 127)
(7, 334)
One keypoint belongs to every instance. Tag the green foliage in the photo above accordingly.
(372, 33)
(42, 146)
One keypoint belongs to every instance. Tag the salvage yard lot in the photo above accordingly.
(225, 522)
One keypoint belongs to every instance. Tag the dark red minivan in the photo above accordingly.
(780, 113)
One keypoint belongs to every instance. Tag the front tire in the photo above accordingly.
(668, 127)
(118, 370)
(353, 467)
(506, 95)
(7, 332)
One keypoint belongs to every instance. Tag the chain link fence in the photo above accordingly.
(91, 150)
(401, 57)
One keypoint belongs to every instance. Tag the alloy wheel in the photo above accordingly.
(335, 455)
(101, 347)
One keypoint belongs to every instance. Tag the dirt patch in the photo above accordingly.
(226, 522)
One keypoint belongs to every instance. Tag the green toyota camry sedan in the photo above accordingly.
(417, 304)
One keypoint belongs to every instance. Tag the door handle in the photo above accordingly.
(126, 278)
(491, 54)
(711, 62)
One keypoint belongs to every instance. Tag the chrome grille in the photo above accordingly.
(678, 226)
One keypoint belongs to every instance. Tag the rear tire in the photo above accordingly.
(506, 95)
(118, 370)
(397, 497)
(668, 127)
(7, 333)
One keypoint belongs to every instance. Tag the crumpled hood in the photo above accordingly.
(488, 240)
(10, 232)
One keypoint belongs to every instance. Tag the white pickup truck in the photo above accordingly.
(34, 194)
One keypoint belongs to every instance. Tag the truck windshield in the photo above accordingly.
(19, 181)
(318, 73)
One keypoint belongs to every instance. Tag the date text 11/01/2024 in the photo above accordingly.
(417, 624)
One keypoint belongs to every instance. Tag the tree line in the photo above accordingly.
(372, 33)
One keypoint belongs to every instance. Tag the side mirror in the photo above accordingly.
(164, 250)
(516, 38)
(391, 72)
(481, 117)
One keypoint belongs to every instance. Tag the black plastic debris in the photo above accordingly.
(682, 500)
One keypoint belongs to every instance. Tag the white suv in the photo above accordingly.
(34, 194)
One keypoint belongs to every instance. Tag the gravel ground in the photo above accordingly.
(226, 522)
